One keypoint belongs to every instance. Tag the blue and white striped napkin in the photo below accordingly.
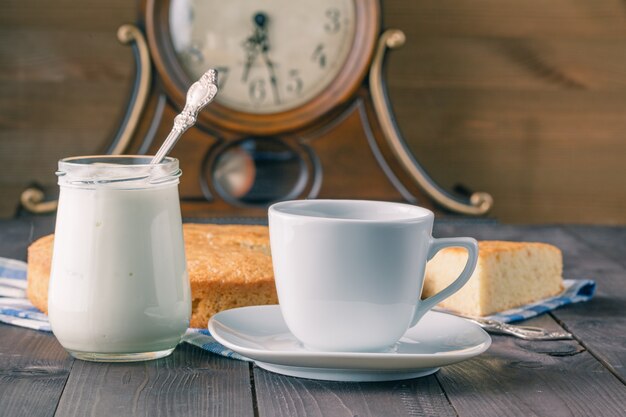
(576, 291)
(15, 308)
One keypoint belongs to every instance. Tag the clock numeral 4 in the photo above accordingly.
(295, 83)
(333, 23)
(257, 90)
(319, 55)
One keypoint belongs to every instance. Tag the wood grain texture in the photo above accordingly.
(70, 15)
(278, 395)
(64, 79)
(542, 155)
(599, 324)
(609, 241)
(349, 167)
(493, 18)
(16, 235)
(513, 378)
(33, 366)
(521, 378)
(190, 382)
(33, 372)
(523, 99)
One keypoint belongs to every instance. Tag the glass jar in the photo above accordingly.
(119, 289)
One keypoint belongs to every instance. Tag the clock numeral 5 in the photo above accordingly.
(257, 90)
(295, 83)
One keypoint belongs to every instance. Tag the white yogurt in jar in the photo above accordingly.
(119, 283)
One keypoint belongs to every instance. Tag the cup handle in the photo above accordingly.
(435, 246)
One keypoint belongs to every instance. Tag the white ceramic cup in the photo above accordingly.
(349, 273)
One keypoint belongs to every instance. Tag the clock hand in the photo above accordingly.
(250, 58)
(273, 79)
(252, 44)
(251, 53)
(260, 19)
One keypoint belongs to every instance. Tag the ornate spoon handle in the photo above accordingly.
(522, 332)
(201, 93)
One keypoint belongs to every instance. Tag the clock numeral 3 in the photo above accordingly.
(295, 82)
(319, 55)
(333, 23)
(257, 91)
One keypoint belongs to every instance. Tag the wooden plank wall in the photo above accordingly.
(525, 99)
(64, 80)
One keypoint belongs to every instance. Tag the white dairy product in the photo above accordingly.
(119, 281)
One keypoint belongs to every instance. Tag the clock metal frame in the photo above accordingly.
(338, 92)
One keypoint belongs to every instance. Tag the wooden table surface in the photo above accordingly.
(584, 377)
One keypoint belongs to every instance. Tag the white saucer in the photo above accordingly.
(260, 333)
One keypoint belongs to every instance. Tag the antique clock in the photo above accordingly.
(302, 110)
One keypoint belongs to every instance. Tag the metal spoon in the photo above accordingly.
(521, 332)
(201, 93)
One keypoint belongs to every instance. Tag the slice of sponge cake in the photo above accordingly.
(508, 275)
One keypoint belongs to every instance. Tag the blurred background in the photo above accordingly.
(524, 99)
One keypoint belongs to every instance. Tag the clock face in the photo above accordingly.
(271, 55)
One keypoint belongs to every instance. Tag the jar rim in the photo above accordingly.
(124, 170)
(116, 160)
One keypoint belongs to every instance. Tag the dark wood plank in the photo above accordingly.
(600, 324)
(279, 395)
(514, 378)
(522, 378)
(33, 366)
(190, 382)
(609, 241)
(33, 372)
(16, 235)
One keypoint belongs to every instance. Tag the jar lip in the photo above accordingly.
(81, 161)
(117, 170)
